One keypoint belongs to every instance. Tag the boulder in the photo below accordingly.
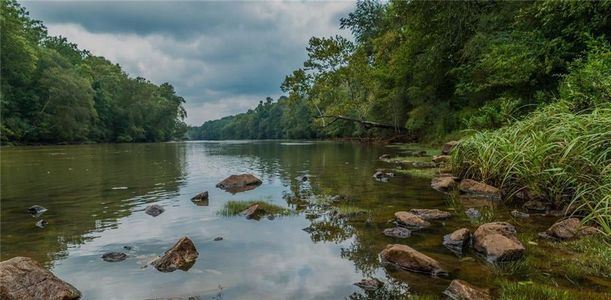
(443, 183)
(24, 278)
(430, 214)
(239, 183)
(457, 241)
(398, 232)
(154, 210)
(462, 290)
(498, 242)
(447, 147)
(370, 285)
(202, 197)
(568, 229)
(181, 256)
(518, 214)
(36, 210)
(410, 220)
(473, 213)
(254, 211)
(406, 258)
(535, 206)
(479, 189)
(114, 256)
(441, 159)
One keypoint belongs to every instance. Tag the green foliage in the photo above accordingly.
(530, 290)
(53, 92)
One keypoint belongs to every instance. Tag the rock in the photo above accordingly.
(36, 210)
(568, 229)
(24, 278)
(498, 242)
(302, 178)
(154, 210)
(309, 229)
(461, 290)
(384, 157)
(181, 256)
(370, 285)
(128, 248)
(239, 183)
(473, 213)
(114, 256)
(380, 175)
(406, 258)
(447, 147)
(201, 199)
(479, 189)
(218, 238)
(535, 206)
(271, 217)
(443, 183)
(410, 220)
(457, 241)
(423, 164)
(41, 223)
(253, 212)
(397, 232)
(430, 214)
(519, 214)
(441, 159)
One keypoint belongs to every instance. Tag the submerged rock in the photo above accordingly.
(479, 189)
(218, 238)
(114, 256)
(568, 229)
(384, 157)
(441, 159)
(201, 199)
(398, 232)
(383, 176)
(254, 211)
(36, 210)
(239, 183)
(24, 278)
(519, 214)
(154, 210)
(41, 223)
(430, 214)
(302, 178)
(371, 284)
(498, 242)
(181, 256)
(457, 241)
(406, 258)
(423, 164)
(410, 220)
(473, 213)
(462, 290)
(443, 183)
(447, 147)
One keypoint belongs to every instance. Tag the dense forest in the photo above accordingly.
(430, 69)
(54, 92)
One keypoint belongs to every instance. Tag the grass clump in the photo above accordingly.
(417, 173)
(234, 208)
(531, 290)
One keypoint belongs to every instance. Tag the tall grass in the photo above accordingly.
(556, 154)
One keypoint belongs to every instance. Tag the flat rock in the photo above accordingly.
(568, 229)
(430, 214)
(498, 242)
(114, 256)
(24, 278)
(410, 220)
(36, 210)
(239, 183)
(181, 256)
(154, 210)
(201, 199)
(254, 212)
(441, 159)
(398, 232)
(371, 284)
(462, 290)
(479, 189)
(443, 183)
(406, 258)
(447, 147)
(457, 241)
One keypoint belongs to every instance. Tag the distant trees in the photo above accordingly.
(54, 92)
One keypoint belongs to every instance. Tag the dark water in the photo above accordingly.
(96, 195)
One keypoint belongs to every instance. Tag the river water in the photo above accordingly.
(96, 196)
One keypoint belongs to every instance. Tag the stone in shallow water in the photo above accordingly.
(519, 214)
(497, 241)
(114, 256)
(462, 290)
(254, 211)
(239, 183)
(568, 229)
(36, 210)
(398, 232)
(371, 284)
(447, 147)
(473, 213)
(218, 238)
(181, 256)
(479, 189)
(407, 258)
(154, 210)
(443, 183)
(201, 199)
(410, 220)
(430, 214)
(41, 223)
(457, 241)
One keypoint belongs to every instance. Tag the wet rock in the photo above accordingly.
(218, 238)
(457, 241)
(441, 159)
(406, 258)
(423, 164)
(154, 210)
(430, 214)
(302, 178)
(498, 242)
(410, 220)
(519, 214)
(114, 256)
(41, 223)
(479, 189)
(473, 213)
(398, 232)
(309, 229)
(271, 217)
(383, 176)
(568, 229)
(36, 210)
(443, 183)
(201, 199)
(447, 147)
(181, 256)
(24, 278)
(535, 206)
(370, 285)
(128, 248)
(384, 157)
(462, 290)
(239, 183)
(254, 212)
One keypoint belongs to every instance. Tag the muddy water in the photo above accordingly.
(96, 196)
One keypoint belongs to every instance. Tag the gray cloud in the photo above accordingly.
(220, 56)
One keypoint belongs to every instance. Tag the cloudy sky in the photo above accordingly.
(222, 56)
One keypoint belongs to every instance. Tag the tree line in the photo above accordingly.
(54, 92)
(430, 68)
